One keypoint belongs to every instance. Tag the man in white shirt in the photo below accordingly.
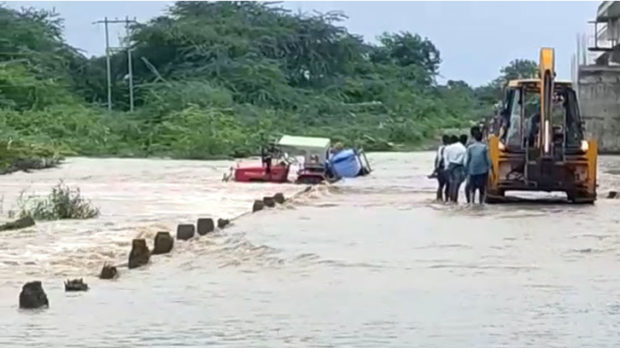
(454, 164)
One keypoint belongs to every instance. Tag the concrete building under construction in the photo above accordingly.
(598, 78)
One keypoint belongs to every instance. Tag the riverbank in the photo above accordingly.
(28, 157)
(19, 156)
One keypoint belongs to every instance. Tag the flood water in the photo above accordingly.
(371, 262)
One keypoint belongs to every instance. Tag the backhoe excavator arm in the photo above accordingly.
(547, 76)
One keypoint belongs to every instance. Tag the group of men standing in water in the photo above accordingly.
(458, 161)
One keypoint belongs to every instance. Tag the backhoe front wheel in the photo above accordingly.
(577, 198)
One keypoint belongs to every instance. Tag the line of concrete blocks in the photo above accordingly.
(202, 227)
(163, 243)
(268, 202)
(33, 296)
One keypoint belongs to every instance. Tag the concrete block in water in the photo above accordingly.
(24, 222)
(163, 243)
(76, 285)
(185, 231)
(139, 255)
(108, 272)
(279, 198)
(33, 296)
(258, 205)
(204, 226)
(221, 223)
(269, 202)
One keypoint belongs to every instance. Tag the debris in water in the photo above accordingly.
(612, 194)
(33, 296)
(23, 222)
(163, 243)
(76, 285)
(139, 255)
(108, 272)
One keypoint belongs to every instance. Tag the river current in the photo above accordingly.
(370, 262)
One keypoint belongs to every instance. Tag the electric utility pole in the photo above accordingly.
(108, 50)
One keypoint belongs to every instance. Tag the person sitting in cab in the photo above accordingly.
(314, 160)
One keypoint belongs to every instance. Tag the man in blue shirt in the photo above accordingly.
(477, 163)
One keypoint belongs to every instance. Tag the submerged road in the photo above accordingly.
(372, 262)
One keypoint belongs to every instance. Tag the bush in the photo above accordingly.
(62, 203)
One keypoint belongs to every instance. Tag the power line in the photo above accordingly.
(106, 22)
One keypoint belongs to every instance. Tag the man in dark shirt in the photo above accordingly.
(439, 171)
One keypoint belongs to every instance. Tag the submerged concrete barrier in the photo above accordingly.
(163, 243)
(279, 198)
(139, 255)
(258, 206)
(108, 272)
(185, 231)
(76, 285)
(221, 223)
(269, 202)
(204, 226)
(33, 296)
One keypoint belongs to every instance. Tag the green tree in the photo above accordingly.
(405, 49)
(519, 69)
(488, 95)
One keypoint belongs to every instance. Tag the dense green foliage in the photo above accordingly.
(218, 79)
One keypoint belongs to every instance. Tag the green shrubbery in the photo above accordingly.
(62, 203)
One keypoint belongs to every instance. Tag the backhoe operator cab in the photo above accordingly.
(523, 122)
(541, 145)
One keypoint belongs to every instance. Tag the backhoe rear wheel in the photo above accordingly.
(495, 197)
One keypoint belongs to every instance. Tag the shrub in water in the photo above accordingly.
(62, 203)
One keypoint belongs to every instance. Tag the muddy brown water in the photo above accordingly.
(372, 262)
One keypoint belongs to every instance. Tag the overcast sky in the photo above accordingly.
(475, 39)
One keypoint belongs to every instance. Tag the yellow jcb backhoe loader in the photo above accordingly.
(542, 146)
